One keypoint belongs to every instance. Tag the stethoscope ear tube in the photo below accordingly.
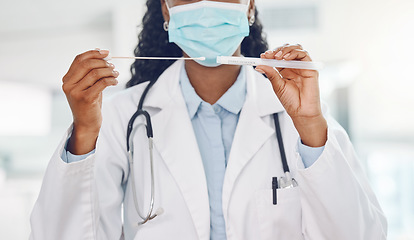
(148, 124)
(280, 143)
(140, 111)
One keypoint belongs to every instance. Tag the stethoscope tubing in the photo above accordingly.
(280, 143)
(131, 131)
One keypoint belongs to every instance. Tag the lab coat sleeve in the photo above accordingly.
(68, 157)
(83, 199)
(308, 154)
(337, 201)
(65, 206)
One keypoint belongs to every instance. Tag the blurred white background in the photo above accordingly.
(367, 82)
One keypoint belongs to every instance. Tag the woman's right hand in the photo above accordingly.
(83, 84)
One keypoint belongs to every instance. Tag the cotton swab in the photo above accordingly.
(156, 58)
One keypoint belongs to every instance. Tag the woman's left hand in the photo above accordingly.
(298, 91)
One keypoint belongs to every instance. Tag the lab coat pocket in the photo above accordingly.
(283, 220)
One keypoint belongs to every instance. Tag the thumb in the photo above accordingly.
(274, 77)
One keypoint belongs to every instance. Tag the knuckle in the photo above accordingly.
(95, 73)
(78, 58)
(65, 88)
(82, 97)
(87, 98)
(85, 64)
(107, 81)
(76, 95)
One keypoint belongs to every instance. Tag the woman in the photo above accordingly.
(216, 155)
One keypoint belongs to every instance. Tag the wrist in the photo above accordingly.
(313, 131)
(82, 140)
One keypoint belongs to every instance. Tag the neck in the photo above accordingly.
(210, 83)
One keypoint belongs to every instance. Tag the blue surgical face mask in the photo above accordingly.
(208, 29)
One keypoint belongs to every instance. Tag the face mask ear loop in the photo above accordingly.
(248, 6)
(166, 24)
(252, 18)
(166, 3)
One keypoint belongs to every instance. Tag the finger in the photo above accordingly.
(100, 85)
(285, 50)
(271, 55)
(297, 54)
(276, 50)
(291, 75)
(79, 70)
(280, 47)
(274, 77)
(94, 76)
(84, 62)
(92, 54)
(85, 68)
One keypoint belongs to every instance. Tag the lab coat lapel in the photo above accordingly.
(251, 132)
(175, 140)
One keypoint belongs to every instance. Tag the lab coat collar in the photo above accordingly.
(259, 90)
(261, 93)
(192, 100)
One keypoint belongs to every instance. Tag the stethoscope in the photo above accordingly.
(283, 182)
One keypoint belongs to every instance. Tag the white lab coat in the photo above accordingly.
(84, 200)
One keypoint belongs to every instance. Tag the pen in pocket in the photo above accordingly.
(274, 188)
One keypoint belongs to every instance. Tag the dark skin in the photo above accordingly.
(298, 90)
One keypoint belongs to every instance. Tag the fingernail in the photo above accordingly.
(260, 70)
(97, 49)
(286, 56)
(111, 65)
(279, 54)
(103, 52)
(269, 52)
(116, 73)
(116, 81)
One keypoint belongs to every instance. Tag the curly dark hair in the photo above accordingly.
(153, 42)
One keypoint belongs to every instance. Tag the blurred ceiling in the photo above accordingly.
(27, 15)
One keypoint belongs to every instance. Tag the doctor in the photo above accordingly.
(216, 152)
